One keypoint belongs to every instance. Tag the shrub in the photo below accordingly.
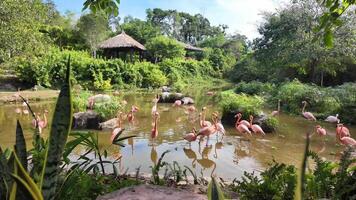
(254, 88)
(152, 76)
(277, 182)
(247, 105)
(162, 47)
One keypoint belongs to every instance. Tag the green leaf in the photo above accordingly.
(58, 135)
(214, 191)
(25, 179)
(21, 145)
(328, 38)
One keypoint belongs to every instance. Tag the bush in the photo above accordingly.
(162, 47)
(247, 105)
(152, 76)
(254, 88)
(277, 182)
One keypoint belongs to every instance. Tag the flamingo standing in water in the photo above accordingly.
(244, 122)
(307, 115)
(276, 112)
(41, 124)
(255, 127)
(321, 131)
(130, 115)
(333, 119)
(202, 121)
(219, 127)
(154, 131)
(348, 141)
(240, 127)
(209, 130)
(118, 129)
(190, 137)
(154, 107)
(342, 131)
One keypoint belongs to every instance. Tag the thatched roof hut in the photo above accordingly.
(121, 44)
(189, 47)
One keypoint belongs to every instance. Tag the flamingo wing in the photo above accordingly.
(257, 129)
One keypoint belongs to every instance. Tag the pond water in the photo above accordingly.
(227, 157)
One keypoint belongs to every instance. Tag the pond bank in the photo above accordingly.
(41, 95)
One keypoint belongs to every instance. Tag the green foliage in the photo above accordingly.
(162, 47)
(214, 190)
(254, 88)
(80, 100)
(156, 168)
(109, 109)
(81, 185)
(100, 84)
(152, 76)
(110, 7)
(142, 31)
(277, 182)
(248, 105)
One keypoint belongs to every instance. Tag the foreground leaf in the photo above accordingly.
(21, 145)
(58, 135)
(214, 190)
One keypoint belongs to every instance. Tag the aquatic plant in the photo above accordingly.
(247, 105)
(156, 168)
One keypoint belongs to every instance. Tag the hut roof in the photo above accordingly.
(121, 41)
(190, 47)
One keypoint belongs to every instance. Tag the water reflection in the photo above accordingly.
(227, 157)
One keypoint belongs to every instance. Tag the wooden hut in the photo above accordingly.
(121, 46)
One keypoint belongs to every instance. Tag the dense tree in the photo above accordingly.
(162, 47)
(183, 26)
(287, 43)
(141, 31)
(94, 28)
(20, 24)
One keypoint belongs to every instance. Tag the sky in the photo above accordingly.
(241, 16)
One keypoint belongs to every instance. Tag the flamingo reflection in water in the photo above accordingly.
(242, 149)
(153, 155)
(205, 162)
(191, 155)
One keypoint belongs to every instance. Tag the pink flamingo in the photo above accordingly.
(177, 103)
(321, 131)
(333, 119)
(276, 112)
(219, 126)
(255, 127)
(307, 115)
(242, 128)
(342, 131)
(202, 121)
(154, 107)
(348, 141)
(130, 115)
(190, 137)
(118, 129)
(208, 130)
(244, 122)
(154, 131)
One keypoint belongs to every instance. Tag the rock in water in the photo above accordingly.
(86, 120)
(187, 100)
(101, 98)
(108, 125)
(167, 97)
(147, 192)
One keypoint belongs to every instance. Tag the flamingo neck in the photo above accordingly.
(305, 104)
(45, 118)
(251, 120)
(237, 121)
(279, 106)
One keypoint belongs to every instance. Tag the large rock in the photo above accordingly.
(86, 120)
(108, 125)
(167, 97)
(166, 89)
(154, 192)
(101, 98)
(228, 118)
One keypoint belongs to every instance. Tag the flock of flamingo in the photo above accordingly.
(207, 128)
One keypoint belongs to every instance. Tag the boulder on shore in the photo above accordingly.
(86, 120)
(108, 125)
(228, 118)
(147, 192)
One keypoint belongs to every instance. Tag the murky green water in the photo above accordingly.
(226, 157)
